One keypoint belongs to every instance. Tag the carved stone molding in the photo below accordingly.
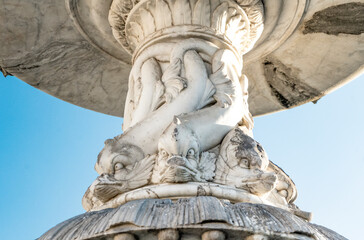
(282, 18)
(84, 64)
(196, 218)
(137, 23)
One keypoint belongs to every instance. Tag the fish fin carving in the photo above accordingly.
(158, 99)
(247, 119)
(141, 172)
(105, 192)
(172, 80)
(207, 165)
(223, 85)
(208, 94)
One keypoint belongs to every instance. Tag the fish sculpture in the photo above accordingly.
(196, 132)
(179, 158)
(125, 177)
(243, 163)
(130, 152)
(142, 138)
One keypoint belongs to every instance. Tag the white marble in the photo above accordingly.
(186, 81)
(48, 55)
(188, 76)
(200, 70)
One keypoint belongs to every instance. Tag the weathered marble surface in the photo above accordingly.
(238, 170)
(186, 92)
(186, 81)
(65, 54)
(189, 217)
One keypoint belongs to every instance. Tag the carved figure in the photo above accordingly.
(126, 175)
(190, 134)
(285, 188)
(180, 159)
(230, 107)
(243, 163)
(186, 94)
(136, 138)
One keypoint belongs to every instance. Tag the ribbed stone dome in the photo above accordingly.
(192, 217)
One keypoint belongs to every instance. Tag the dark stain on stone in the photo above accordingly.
(344, 18)
(201, 191)
(285, 85)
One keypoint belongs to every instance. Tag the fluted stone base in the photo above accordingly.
(189, 218)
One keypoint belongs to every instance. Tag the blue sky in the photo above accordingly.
(48, 149)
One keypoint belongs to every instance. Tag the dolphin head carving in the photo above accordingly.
(116, 157)
(122, 167)
(178, 153)
(243, 151)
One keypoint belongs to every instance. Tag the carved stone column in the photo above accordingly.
(186, 93)
(187, 165)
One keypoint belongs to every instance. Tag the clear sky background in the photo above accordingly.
(48, 149)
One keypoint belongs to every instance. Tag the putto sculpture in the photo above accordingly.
(186, 165)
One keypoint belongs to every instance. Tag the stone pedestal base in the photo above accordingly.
(204, 217)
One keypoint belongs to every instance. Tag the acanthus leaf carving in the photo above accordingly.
(219, 17)
(136, 31)
(224, 17)
(147, 21)
(164, 14)
(207, 166)
(182, 13)
(201, 13)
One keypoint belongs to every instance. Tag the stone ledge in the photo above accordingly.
(190, 216)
